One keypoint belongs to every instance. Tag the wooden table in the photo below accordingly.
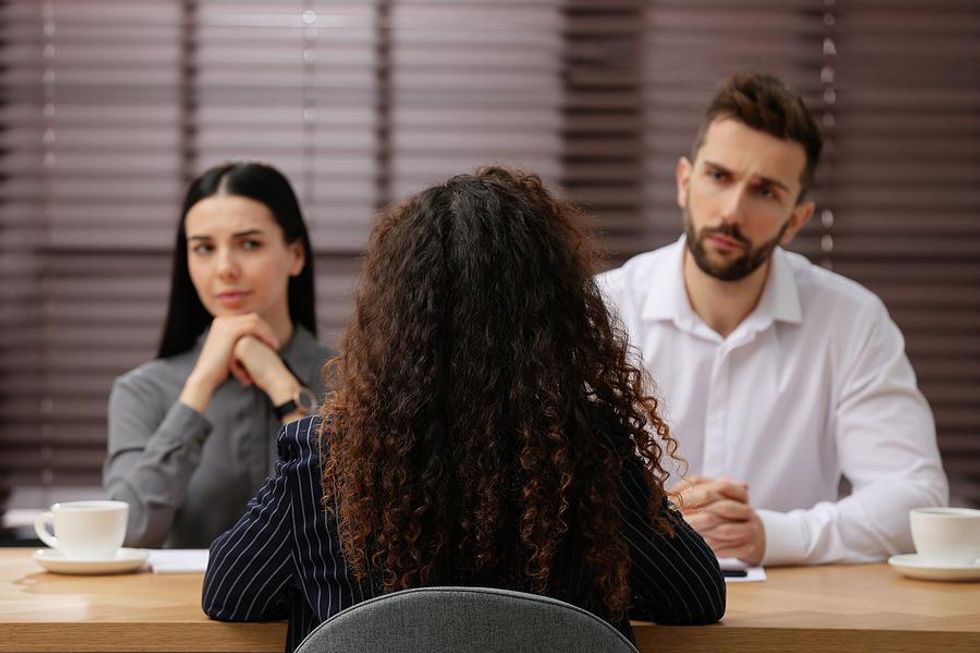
(834, 608)
(854, 608)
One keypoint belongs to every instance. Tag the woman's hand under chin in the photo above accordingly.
(217, 358)
(258, 363)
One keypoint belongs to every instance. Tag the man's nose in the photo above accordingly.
(733, 207)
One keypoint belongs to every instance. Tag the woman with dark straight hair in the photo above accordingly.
(486, 428)
(191, 432)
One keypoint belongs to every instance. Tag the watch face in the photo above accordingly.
(306, 400)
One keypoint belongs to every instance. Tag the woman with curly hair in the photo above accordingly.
(486, 427)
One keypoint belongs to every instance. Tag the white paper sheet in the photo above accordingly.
(178, 561)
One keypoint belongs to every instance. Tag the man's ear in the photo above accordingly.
(797, 220)
(299, 258)
(683, 174)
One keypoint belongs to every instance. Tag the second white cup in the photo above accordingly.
(949, 536)
(84, 530)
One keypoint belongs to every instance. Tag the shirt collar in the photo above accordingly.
(780, 299)
(670, 302)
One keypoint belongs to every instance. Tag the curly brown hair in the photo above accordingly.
(484, 402)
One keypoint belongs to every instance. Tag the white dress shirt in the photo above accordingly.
(812, 385)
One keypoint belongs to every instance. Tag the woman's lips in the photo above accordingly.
(233, 298)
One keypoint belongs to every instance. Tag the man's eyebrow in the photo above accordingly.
(768, 180)
(775, 182)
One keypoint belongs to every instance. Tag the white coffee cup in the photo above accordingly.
(84, 530)
(949, 536)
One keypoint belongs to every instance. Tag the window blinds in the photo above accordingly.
(108, 108)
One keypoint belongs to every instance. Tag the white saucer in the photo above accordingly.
(912, 566)
(125, 560)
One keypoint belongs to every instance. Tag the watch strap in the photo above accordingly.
(284, 409)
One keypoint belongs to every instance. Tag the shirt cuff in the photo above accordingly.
(785, 537)
(185, 424)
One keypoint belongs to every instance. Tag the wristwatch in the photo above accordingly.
(303, 401)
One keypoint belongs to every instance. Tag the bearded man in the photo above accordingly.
(778, 377)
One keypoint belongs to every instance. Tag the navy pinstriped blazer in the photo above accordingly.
(283, 557)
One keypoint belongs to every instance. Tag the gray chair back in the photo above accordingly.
(464, 620)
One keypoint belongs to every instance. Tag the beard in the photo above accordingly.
(735, 269)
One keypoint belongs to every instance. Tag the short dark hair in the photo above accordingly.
(186, 316)
(762, 102)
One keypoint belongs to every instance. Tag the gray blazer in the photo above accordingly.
(187, 476)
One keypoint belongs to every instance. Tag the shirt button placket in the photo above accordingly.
(716, 408)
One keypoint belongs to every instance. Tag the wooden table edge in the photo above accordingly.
(53, 636)
(718, 637)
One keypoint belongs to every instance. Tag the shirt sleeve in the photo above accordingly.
(886, 442)
(613, 290)
(150, 461)
(251, 566)
(674, 579)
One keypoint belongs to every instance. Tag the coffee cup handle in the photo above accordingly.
(41, 528)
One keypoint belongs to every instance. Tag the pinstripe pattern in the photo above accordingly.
(283, 558)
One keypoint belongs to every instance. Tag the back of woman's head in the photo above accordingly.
(484, 405)
(186, 316)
